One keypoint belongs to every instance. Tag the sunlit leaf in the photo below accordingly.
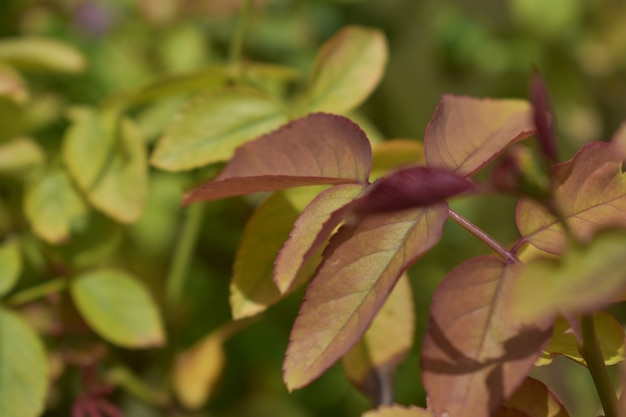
(10, 265)
(53, 207)
(371, 363)
(398, 411)
(211, 127)
(317, 149)
(309, 231)
(536, 400)
(466, 133)
(412, 187)
(361, 266)
(589, 191)
(41, 54)
(347, 69)
(19, 155)
(475, 354)
(119, 308)
(585, 278)
(394, 154)
(23, 368)
(109, 166)
(609, 333)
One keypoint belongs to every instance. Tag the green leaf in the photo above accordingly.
(584, 279)
(466, 133)
(54, 207)
(23, 368)
(590, 193)
(398, 411)
(315, 150)
(609, 332)
(20, 155)
(10, 265)
(11, 118)
(361, 265)
(475, 354)
(395, 154)
(109, 166)
(536, 400)
(119, 308)
(210, 127)
(347, 69)
(41, 54)
(371, 363)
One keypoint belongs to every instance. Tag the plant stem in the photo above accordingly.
(38, 291)
(497, 247)
(236, 47)
(590, 350)
(183, 253)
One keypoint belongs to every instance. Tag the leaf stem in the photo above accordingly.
(38, 291)
(236, 46)
(497, 247)
(183, 253)
(590, 350)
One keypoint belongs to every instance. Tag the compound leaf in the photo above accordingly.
(589, 191)
(361, 265)
(317, 149)
(119, 308)
(475, 354)
(212, 126)
(347, 69)
(466, 133)
(23, 368)
(370, 364)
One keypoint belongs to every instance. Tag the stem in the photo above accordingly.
(590, 350)
(38, 291)
(236, 47)
(183, 253)
(497, 247)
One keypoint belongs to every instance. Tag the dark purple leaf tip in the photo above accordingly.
(543, 117)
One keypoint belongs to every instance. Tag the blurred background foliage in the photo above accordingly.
(479, 48)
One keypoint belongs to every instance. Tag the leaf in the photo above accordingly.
(347, 69)
(371, 363)
(311, 229)
(412, 187)
(394, 154)
(466, 133)
(585, 278)
(13, 85)
(212, 126)
(41, 54)
(619, 140)
(108, 166)
(536, 400)
(589, 191)
(10, 265)
(11, 118)
(54, 207)
(609, 333)
(398, 411)
(317, 149)
(543, 118)
(475, 354)
(360, 268)
(23, 368)
(20, 155)
(119, 308)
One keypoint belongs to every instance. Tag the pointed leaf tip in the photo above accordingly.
(317, 149)
(543, 117)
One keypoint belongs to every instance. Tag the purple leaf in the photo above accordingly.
(543, 118)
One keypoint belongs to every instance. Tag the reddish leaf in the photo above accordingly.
(535, 399)
(543, 118)
(475, 354)
(312, 228)
(589, 190)
(412, 187)
(317, 149)
(361, 265)
(398, 411)
(466, 133)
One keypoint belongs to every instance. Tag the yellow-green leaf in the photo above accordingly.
(23, 368)
(119, 308)
(210, 127)
(10, 265)
(11, 118)
(395, 154)
(535, 400)
(19, 155)
(41, 54)
(53, 207)
(347, 69)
